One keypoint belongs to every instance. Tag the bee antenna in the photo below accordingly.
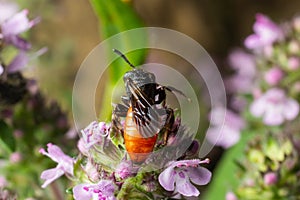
(124, 57)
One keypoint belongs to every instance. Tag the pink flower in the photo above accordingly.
(273, 76)
(65, 164)
(296, 23)
(294, 47)
(270, 178)
(94, 133)
(293, 63)
(21, 60)
(125, 169)
(266, 32)
(225, 132)
(103, 190)
(178, 174)
(230, 196)
(244, 65)
(3, 182)
(16, 25)
(7, 9)
(15, 157)
(18, 63)
(274, 107)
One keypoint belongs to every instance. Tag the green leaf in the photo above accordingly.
(224, 177)
(7, 139)
(115, 17)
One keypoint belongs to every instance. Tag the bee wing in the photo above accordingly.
(149, 118)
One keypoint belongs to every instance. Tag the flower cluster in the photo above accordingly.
(103, 170)
(264, 90)
(271, 166)
(264, 87)
(27, 118)
(11, 29)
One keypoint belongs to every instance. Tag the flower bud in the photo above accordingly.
(15, 157)
(273, 76)
(270, 178)
(293, 63)
(3, 182)
(18, 133)
(294, 47)
(230, 196)
(296, 23)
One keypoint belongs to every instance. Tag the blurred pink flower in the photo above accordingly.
(7, 10)
(103, 190)
(15, 157)
(64, 166)
(270, 178)
(273, 76)
(230, 196)
(18, 63)
(294, 47)
(265, 33)
(21, 60)
(177, 176)
(3, 182)
(17, 24)
(274, 107)
(224, 132)
(293, 63)
(296, 23)
(244, 65)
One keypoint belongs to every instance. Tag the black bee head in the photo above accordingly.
(139, 78)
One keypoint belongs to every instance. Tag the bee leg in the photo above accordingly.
(126, 101)
(168, 125)
(119, 111)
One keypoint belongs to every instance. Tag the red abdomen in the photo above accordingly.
(137, 147)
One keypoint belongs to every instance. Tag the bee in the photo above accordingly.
(145, 111)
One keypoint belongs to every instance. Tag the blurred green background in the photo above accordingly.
(70, 30)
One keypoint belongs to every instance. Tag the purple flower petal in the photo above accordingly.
(179, 173)
(7, 10)
(51, 175)
(224, 132)
(65, 164)
(265, 33)
(18, 63)
(167, 179)
(253, 41)
(274, 107)
(274, 76)
(199, 175)
(79, 193)
(291, 109)
(18, 42)
(223, 136)
(17, 24)
(257, 108)
(273, 117)
(243, 62)
(104, 189)
(184, 187)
